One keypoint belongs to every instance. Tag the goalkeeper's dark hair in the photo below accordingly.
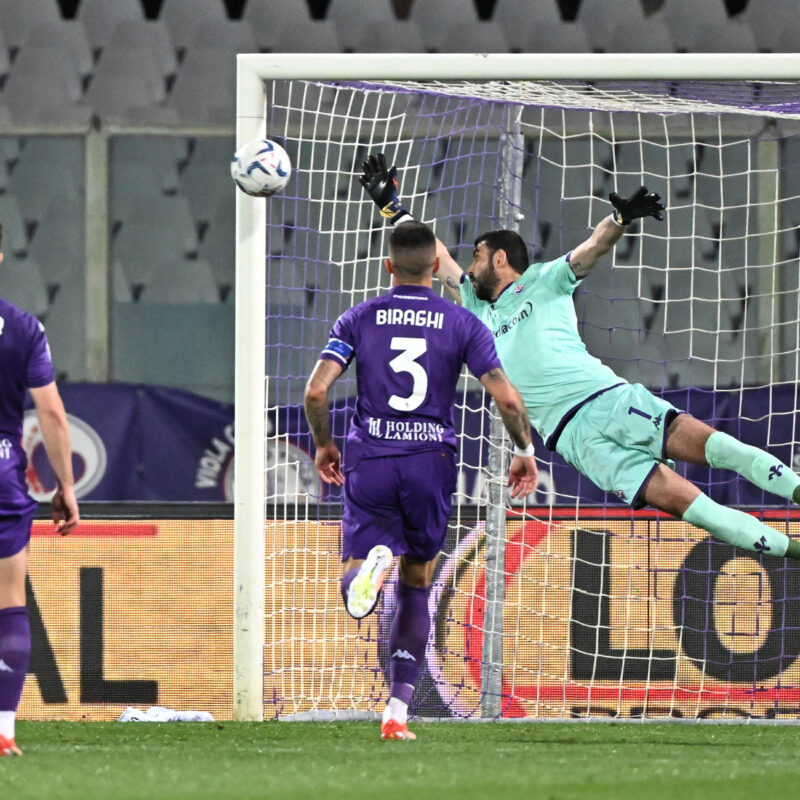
(412, 248)
(512, 243)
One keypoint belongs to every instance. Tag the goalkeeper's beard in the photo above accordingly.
(486, 285)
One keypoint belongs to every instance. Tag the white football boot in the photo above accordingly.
(364, 589)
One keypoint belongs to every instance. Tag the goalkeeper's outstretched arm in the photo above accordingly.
(380, 183)
(609, 231)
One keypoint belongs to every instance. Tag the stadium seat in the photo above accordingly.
(269, 20)
(141, 248)
(734, 37)
(676, 13)
(127, 99)
(204, 184)
(101, 17)
(165, 154)
(182, 18)
(130, 180)
(17, 18)
(519, 20)
(231, 35)
(5, 60)
(599, 24)
(43, 90)
(433, 17)
(311, 36)
(15, 235)
(44, 173)
(218, 247)
(37, 66)
(63, 186)
(769, 20)
(555, 37)
(392, 36)
(160, 212)
(638, 36)
(472, 37)
(63, 35)
(57, 246)
(150, 39)
(711, 30)
(119, 61)
(21, 284)
(204, 92)
(350, 17)
(65, 332)
(181, 281)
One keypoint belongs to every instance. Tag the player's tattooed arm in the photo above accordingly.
(449, 273)
(316, 400)
(510, 405)
(327, 459)
(587, 254)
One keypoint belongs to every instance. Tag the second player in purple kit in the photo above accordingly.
(25, 365)
(400, 468)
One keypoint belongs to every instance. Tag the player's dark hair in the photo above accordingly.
(515, 248)
(412, 248)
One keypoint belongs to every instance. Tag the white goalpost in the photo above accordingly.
(569, 604)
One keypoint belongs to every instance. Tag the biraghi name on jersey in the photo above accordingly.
(409, 316)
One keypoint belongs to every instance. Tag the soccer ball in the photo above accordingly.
(261, 167)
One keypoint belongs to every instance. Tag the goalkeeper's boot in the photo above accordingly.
(8, 747)
(364, 590)
(392, 729)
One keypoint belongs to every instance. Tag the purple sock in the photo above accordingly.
(408, 638)
(15, 652)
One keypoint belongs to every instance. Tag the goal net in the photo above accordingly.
(567, 604)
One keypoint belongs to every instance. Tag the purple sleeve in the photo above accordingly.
(341, 343)
(480, 352)
(39, 369)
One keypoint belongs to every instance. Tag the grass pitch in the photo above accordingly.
(118, 761)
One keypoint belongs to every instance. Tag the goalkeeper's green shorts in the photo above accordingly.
(618, 439)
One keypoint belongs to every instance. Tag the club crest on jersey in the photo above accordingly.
(518, 288)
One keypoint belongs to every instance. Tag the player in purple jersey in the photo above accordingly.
(25, 365)
(400, 469)
(621, 436)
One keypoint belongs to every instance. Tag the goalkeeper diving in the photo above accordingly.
(619, 435)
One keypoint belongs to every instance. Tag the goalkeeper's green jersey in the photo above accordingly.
(536, 333)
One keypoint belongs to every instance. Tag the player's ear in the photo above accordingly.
(389, 267)
(499, 258)
(435, 265)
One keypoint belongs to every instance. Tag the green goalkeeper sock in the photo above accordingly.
(759, 467)
(738, 528)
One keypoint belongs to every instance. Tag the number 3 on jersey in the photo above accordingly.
(410, 350)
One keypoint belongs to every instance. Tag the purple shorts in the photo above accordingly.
(15, 533)
(402, 502)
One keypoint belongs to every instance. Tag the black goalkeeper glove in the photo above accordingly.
(381, 185)
(640, 204)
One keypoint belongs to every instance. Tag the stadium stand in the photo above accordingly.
(134, 64)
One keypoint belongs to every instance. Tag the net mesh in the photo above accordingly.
(606, 612)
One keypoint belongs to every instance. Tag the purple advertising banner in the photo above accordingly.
(147, 443)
